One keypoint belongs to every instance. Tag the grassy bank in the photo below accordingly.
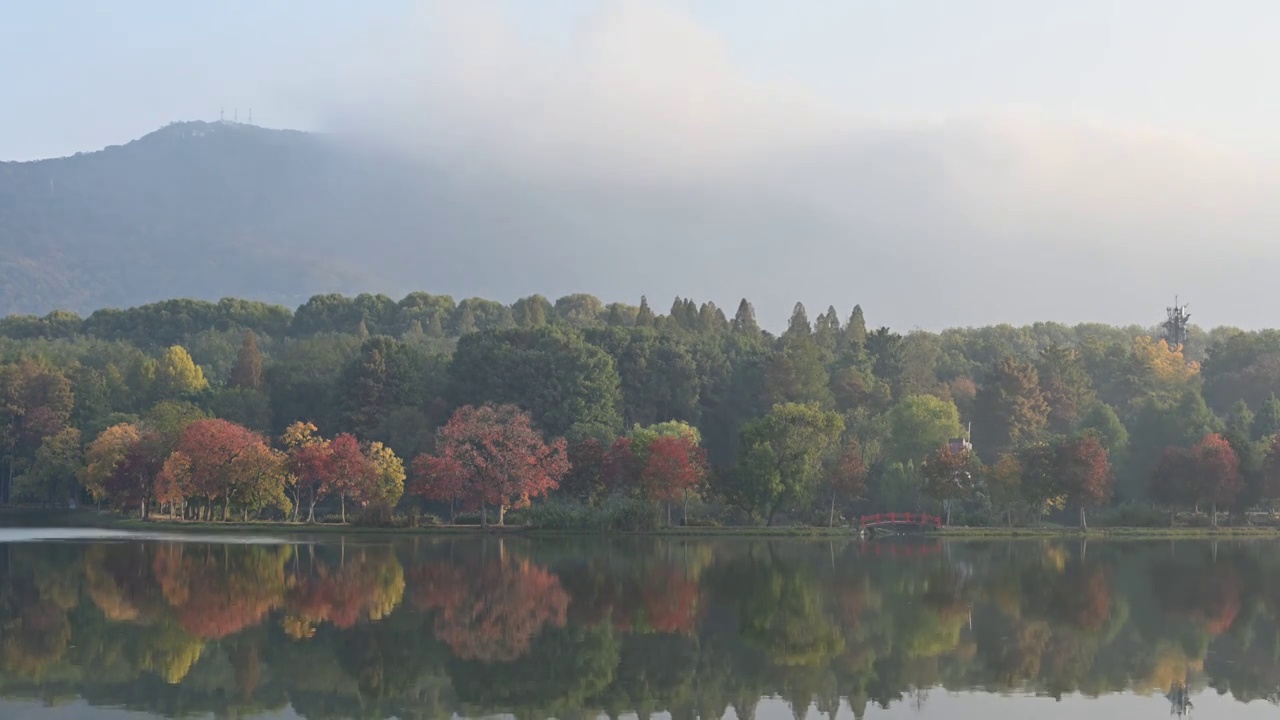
(15, 517)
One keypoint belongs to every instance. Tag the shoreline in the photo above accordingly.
(92, 519)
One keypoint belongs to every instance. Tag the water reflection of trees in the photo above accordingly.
(430, 628)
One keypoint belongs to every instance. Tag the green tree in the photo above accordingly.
(782, 456)
(51, 479)
(644, 316)
(1066, 386)
(798, 325)
(1101, 418)
(920, 425)
(1267, 422)
(551, 372)
(855, 331)
(1010, 409)
(797, 373)
(744, 321)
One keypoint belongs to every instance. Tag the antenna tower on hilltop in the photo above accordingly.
(1175, 327)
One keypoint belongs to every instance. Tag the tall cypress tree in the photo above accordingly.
(247, 372)
(855, 331)
(744, 321)
(798, 325)
(644, 318)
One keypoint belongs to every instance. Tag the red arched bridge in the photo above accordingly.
(904, 520)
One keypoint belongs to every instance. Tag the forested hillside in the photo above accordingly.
(1119, 409)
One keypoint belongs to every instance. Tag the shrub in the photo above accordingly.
(1129, 514)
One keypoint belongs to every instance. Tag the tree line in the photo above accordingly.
(479, 407)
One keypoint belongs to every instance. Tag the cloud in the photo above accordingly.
(642, 129)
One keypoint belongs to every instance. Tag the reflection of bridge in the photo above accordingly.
(918, 521)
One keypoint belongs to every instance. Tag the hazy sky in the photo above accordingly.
(927, 159)
(86, 73)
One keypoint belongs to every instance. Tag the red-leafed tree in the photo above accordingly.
(309, 463)
(949, 475)
(1084, 473)
(132, 481)
(221, 460)
(352, 475)
(585, 481)
(1172, 477)
(621, 469)
(441, 479)
(1217, 478)
(846, 477)
(674, 466)
(503, 459)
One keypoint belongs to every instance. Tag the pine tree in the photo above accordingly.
(435, 327)
(855, 331)
(247, 372)
(362, 330)
(617, 316)
(798, 325)
(415, 333)
(644, 317)
(1010, 407)
(744, 321)
(826, 330)
(1267, 422)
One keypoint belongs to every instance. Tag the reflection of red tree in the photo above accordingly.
(365, 585)
(1086, 597)
(671, 601)
(1210, 596)
(219, 593)
(493, 612)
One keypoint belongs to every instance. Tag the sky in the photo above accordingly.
(930, 158)
(98, 72)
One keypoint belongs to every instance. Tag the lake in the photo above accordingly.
(113, 626)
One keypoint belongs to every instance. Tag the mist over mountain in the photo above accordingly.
(957, 224)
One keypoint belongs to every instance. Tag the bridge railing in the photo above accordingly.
(895, 518)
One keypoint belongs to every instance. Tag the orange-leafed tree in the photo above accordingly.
(104, 455)
(674, 466)
(1084, 473)
(502, 458)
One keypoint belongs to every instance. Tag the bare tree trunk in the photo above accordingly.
(453, 514)
(1214, 520)
(831, 519)
(1084, 525)
(344, 508)
(484, 515)
(502, 514)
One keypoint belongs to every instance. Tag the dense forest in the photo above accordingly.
(434, 629)
(575, 411)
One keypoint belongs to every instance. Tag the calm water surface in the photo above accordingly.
(118, 627)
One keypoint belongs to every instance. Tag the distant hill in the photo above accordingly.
(195, 209)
